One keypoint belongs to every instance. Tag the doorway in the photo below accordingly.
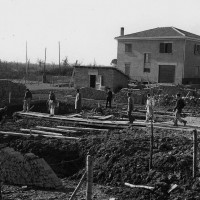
(93, 81)
(166, 74)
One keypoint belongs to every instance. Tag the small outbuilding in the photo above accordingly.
(100, 77)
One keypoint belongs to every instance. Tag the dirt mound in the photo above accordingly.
(119, 157)
(139, 95)
(91, 93)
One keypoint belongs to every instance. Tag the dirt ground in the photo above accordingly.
(119, 156)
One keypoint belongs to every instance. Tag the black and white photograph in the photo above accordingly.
(99, 100)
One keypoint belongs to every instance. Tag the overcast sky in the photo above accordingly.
(85, 28)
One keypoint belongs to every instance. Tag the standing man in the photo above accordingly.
(180, 104)
(78, 104)
(109, 98)
(150, 107)
(27, 100)
(130, 108)
(52, 103)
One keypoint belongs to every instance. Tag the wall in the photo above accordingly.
(119, 80)
(110, 77)
(28, 169)
(81, 77)
(191, 60)
(136, 58)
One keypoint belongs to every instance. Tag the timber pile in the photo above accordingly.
(102, 124)
(75, 120)
(40, 133)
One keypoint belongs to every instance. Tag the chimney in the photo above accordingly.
(122, 31)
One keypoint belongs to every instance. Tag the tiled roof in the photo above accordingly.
(160, 32)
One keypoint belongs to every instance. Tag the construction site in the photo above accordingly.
(97, 153)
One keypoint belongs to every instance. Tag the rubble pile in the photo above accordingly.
(91, 93)
(26, 169)
(139, 95)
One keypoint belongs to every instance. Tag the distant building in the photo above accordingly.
(100, 77)
(163, 55)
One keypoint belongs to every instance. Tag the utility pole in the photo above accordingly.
(44, 69)
(26, 64)
(45, 58)
(59, 57)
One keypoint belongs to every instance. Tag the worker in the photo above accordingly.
(180, 104)
(78, 103)
(3, 114)
(150, 103)
(52, 103)
(130, 108)
(27, 100)
(109, 98)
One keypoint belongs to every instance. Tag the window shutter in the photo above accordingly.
(162, 47)
(169, 48)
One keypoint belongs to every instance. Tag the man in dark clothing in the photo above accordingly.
(130, 108)
(109, 98)
(3, 114)
(27, 100)
(178, 109)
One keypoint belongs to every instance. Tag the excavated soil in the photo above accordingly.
(119, 156)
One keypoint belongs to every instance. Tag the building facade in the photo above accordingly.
(160, 55)
(100, 77)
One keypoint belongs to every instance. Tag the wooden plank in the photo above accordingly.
(40, 132)
(73, 115)
(61, 137)
(55, 129)
(174, 128)
(50, 134)
(168, 124)
(81, 128)
(80, 121)
(106, 117)
(108, 124)
(61, 117)
(140, 186)
(17, 134)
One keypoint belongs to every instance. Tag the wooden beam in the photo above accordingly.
(17, 134)
(140, 186)
(55, 129)
(81, 121)
(39, 132)
(82, 128)
(61, 137)
(50, 134)
(174, 128)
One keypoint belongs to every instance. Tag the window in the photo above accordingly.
(165, 47)
(147, 62)
(128, 48)
(147, 57)
(197, 49)
(127, 68)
